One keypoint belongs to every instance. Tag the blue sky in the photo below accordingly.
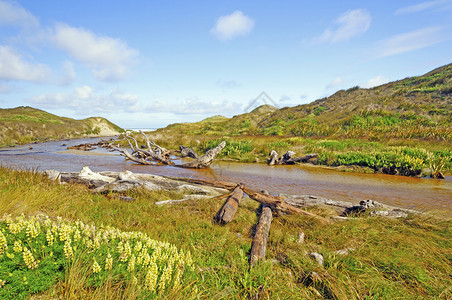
(146, 64)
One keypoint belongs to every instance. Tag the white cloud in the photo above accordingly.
(348, 25)
(196, 106)
(233, 25)
(227, 84)
(68, 73)
(335, 83)
(284, 98)
(379, 80)
(83, 100)
(108, 58)
(13, 14)
(14, 67)
(410, 41)
(441, 4)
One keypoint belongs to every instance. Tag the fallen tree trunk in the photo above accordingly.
(230, 206)
(157, 157)
(287, 158)
(188, 152)
(302, 159)
(205, 160)
(276, 203)
(214, 183)
(279, 205)
(259, 244)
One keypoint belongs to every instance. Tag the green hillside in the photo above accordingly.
(403, 127)
(416, 107)
(22, 125)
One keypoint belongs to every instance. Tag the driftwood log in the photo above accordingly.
(230, 206)
(259, 244)
(161, 155)
(207, 159)
(287, 158)
(187, 152)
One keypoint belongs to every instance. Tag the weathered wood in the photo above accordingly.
(188, 152)
(230, 206)
(287, 158)
(156, 156)
(273, 158)
(149, 143)
(134, 158)
(205, 160)
(215, 183)
(259, 244)
(278, 204)
(302, 159)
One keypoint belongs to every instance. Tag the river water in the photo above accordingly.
(407, 192)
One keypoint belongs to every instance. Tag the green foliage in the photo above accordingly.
(23, 125)
(233, 147)
(36, 252)
(318, 110)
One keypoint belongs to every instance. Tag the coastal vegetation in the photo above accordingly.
(403, 127)
(24, 125)
(402, 258)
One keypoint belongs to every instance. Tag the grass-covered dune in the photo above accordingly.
(403, 127)
(23, 125)
(95, 246)
(413, 108)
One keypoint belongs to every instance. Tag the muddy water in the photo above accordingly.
(418, 193)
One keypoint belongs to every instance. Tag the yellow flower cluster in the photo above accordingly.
(67, 249)
(95, 267)
(108, 262)
(3, 243)
(156, 265)
(17, 246)
(29, 259)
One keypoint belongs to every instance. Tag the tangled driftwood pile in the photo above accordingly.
(157, 153)
(194, 189)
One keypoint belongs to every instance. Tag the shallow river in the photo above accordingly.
(417, 193)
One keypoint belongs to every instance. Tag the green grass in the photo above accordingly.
(24, 125)
(403, 259)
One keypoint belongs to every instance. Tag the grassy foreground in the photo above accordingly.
(401, 259)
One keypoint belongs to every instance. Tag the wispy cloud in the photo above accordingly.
(227, 84)
(348, 25)
(233, 25)
(410, 41)
(335, 83)
(84, 100)
(376, 81)
(436, 4)
(14, 66)
(194, 106)
(14, 14)
(108, 58)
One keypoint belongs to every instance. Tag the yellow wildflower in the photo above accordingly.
(29, 259)
(95, 267)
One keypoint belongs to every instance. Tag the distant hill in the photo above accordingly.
(26, 124)
(415, 107)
